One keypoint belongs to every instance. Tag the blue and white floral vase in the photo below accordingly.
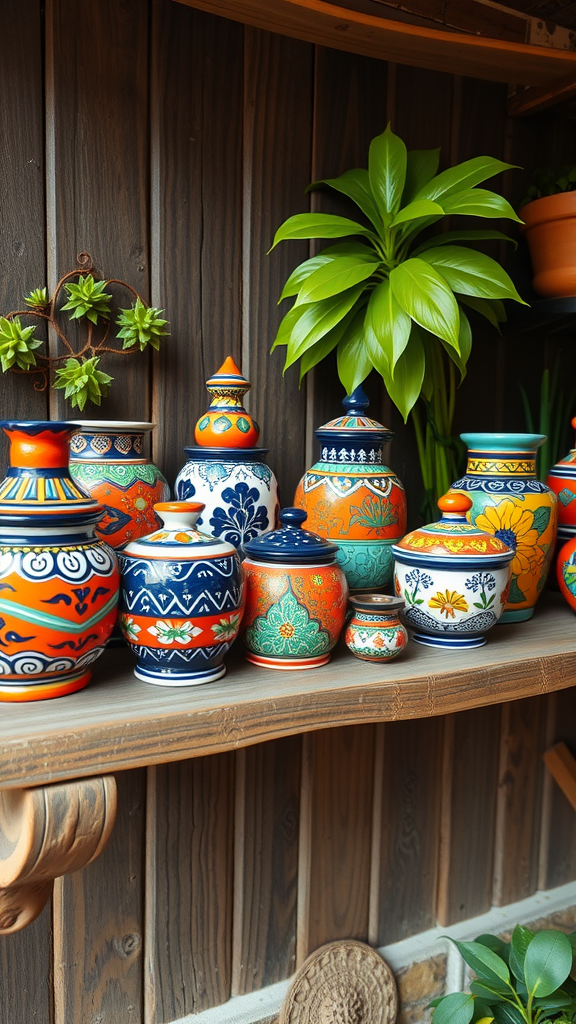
(181, 599)
(238, 490)
(454, 578)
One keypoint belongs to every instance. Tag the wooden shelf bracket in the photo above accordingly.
(562, 766)
(45, 833)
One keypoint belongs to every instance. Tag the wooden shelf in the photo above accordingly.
(454, 52)
(119, 722)
(552, 316)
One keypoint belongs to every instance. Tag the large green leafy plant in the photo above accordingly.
(390, 300)
(76, 370)
(524, 981)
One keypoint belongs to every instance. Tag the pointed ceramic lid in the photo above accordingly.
(290, 544)
(355, 423)
(178, 537)
(453, 536)
(226, 424)
(228, 376)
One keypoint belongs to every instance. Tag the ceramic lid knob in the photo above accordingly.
(290, 544)
(455, 503)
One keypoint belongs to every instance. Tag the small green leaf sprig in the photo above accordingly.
(524, 981)
(77, 373)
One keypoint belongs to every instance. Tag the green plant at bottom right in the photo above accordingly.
(525, 981)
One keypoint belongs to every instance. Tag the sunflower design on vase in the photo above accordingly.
(296, 596)
(509, 502)
(352, 498)
(453, 578)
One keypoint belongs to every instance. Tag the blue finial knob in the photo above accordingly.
(293, 517)
(357, 402)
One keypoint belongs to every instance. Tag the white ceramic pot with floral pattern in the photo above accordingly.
(454, 578)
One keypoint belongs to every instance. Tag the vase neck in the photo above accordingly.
(521, 464)
(43, 445)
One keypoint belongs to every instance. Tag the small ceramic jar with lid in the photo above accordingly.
(181, 599)
(296, 596)
(375, 633)
(454, 578)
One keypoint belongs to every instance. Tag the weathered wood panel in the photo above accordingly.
(471, 746)
(406, 829)
(97, 164)
(99, 923)
(335, 837)
(558, 849)
(188, 887)
(196, 213)
(518, 807)
(266, 863)
(26, 993)
(22, 234)
(277, 148)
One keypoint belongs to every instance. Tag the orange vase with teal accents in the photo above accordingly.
(510, 502)
(352, 498)
(58, 582)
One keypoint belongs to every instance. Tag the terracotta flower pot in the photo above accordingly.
(550, 229)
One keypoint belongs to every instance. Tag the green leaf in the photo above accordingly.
(87, 298)
(473, 235)
(515, 595)
(457, 1008)
(318, 318)
(305, 269)
(424, 295)
(521, 939)
(463, 176)
(496, 944)
(82, 381)
(479, 202)
(337, 276)
(487, 993)
(389, 323)
(486, 964)
(421, 166)
(481, 306)
(356, 185)
(460, 359)
(406, 385)
(471, 273)
(141, 325)
(541, 520)
(547, 963)
(503, 1013)
(286, 325)
(417, 210)
(318, 225)
(387, 172)
(38, 298)
(310, 355)
(352, 357)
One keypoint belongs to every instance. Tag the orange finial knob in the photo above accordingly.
(573, 422)
(227, 424)
(455, 502)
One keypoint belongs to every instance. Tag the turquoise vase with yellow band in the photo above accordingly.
(510, 502)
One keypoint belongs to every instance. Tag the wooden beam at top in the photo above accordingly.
(323, 23)
(537, 98)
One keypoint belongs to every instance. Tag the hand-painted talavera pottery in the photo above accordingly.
(566, 572)
(58, 582)
(510, 502)
(375, 633)
(296, 596)
(562, 480)
(181, 599)
(454, 578)
(108, 461)
(352, 498)
(224, 471)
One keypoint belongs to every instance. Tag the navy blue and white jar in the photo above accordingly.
(454, 578)
(238, 490)
(181, 599)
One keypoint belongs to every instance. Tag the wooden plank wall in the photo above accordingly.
(171, 144)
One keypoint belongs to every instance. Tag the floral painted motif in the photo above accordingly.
(479, 583)
(242, 519)
(449, 603)
(226, 629)
(375, 513)
(169, 632)
(129, 628)
(416, 578)
(287, 630)
(521, 529)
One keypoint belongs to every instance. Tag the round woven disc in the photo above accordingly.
(342, 983)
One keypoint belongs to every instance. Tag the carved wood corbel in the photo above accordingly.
(45, 833)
